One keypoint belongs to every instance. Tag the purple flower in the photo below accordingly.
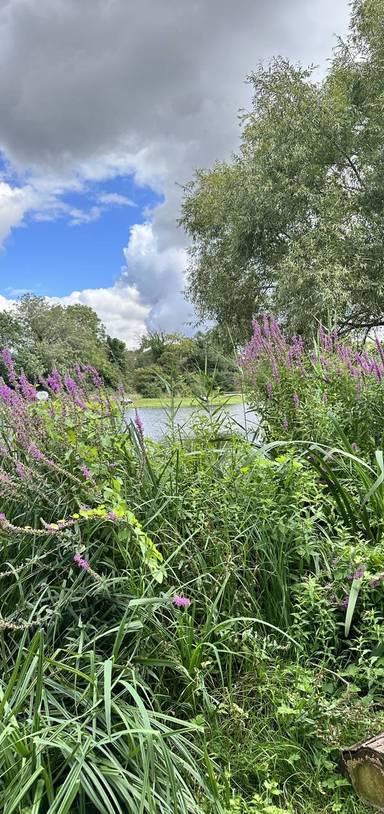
(354, 446)
(79, 373)
(86, 472)
(269, 388)
(181, 601)
(3, 518)
(27, 389)
(344, 603)
(359, 573)
(139, 425)
(285, 424)
(95, 376)
(296, 401)
(275, 372)
(112, 516)
(81, 562)
(8, 361)
(7, 394)
(54, 381)
(70, 385)
(35, 453)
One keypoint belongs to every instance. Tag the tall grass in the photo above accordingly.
(116, 699)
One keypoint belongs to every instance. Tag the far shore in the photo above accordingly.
(185, 401)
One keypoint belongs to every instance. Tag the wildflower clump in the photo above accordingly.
(301, 391)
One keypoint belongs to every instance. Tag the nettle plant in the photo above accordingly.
(326, 392)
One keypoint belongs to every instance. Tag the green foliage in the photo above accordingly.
(114, 699)
(43, 336)
(164, 360)
(294, 222)
(330, 392)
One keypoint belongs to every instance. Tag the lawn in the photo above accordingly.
(185, 401)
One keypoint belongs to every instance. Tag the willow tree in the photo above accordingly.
(294, 222)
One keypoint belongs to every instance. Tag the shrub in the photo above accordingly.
(313, 394)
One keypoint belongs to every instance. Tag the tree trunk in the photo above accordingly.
(363, 764)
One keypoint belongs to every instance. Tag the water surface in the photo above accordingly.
(236, 418)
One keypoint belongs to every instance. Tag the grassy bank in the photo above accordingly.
(184, 401)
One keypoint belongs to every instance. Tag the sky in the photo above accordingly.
(107, 107)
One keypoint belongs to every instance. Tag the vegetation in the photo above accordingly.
(44, 336)
(294, 223)
(164, 360)
(177, 633)
(195, 626)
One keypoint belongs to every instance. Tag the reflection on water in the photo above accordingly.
(238, 418)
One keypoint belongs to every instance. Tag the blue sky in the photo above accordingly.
(107, 108)
(52, 257)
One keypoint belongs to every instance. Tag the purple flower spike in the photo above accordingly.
(359, 573)
(70, 385)
(35, 453)
(2, 517)
(27, 389)
(86, 472)
(138, 422)
(344, 603)
(54, 381)
(181, 601)
(81, 562)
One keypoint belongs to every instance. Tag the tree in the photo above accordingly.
(294, 223)
(176, 359)
(43, 335)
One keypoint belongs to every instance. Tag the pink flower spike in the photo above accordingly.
(86, 472)
(82, 563)
(181, 601)
(2, 517)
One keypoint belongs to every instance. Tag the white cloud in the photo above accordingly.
(79, 216)
(115, 199)
(6, 304)
(119, 308)
(158, 274)
(14, 203)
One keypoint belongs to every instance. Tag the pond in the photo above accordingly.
(236, 418)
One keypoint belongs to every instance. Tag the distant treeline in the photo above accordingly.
(42, 336)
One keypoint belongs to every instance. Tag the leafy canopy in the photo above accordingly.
(43, 335)
(294, 223)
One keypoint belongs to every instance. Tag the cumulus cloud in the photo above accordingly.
(119, 307)
(157, 272)
(14, 203)
(94, 89)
